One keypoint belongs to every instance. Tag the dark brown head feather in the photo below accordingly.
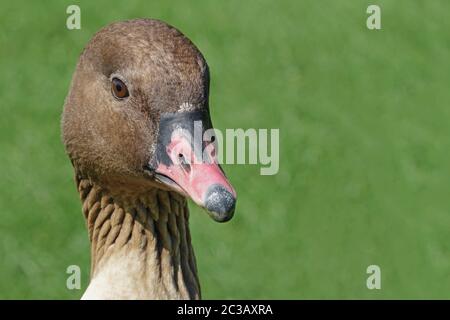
(108, 138)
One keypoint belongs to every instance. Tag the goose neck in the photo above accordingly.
(140, 245)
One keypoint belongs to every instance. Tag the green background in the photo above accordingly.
(364, 146)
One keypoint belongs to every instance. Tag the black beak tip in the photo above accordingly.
(220, 203)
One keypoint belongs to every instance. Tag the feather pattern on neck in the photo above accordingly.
(140, 245)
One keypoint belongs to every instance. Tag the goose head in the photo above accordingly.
(138, 97)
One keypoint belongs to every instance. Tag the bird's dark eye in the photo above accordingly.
(119, 89)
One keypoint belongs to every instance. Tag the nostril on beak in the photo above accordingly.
(220, 203)
(186, 166)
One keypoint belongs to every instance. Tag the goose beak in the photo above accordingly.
(187, 164)
(205, 184)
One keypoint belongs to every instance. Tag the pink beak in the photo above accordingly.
(198, 176)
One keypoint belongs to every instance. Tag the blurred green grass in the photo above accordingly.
(363, 118)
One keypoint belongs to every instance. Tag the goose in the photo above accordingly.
(138, 90)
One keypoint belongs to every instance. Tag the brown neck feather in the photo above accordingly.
(140, 245)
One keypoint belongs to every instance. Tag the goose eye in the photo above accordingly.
(119, 89)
